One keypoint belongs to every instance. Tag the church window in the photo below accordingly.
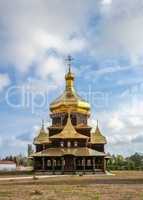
(75, 143)
(62, 144)
(69, 144)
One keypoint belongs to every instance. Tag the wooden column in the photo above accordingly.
(53, 166)
(77, 121)
(74, 162)
(61, 120)
(84, 165)
(104, 164)
(34, 164)
(43, 163)
(94, 164)
(62, 159)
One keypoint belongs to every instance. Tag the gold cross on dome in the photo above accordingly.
(69, 60)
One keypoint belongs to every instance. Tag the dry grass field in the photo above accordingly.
(122, 186)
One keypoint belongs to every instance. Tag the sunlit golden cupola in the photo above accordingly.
(70, 100)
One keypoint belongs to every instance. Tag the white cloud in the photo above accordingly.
(19, 141)
(30, 28)
(119, 33)
(51, 70)
(59, 43)
(115, 123)
(123, 127)
(106, 2)
(4, 81)
(138, 139)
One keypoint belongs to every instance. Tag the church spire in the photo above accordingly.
(42, 124)
(69, 76)
(97, 137)
(97, 127)
(97, 123)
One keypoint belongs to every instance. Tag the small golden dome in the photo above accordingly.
(70, 100)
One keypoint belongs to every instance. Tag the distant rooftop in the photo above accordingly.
(7, 162)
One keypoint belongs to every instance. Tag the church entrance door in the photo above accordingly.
(69, 163)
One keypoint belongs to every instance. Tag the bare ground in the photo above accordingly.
(122, 186)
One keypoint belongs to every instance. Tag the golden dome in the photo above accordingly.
(70, 100)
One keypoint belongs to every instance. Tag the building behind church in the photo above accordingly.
(6, 165)
(69, 145)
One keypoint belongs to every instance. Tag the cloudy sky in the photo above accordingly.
(105, 39)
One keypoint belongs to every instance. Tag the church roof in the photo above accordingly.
(70, 99)
(69, 131)
(80, 151)
(43, 137)
(97, 137)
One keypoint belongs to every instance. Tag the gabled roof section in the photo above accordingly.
(97, 137)
(80, 151)
(69, 132)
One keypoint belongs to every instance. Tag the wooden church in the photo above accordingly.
(68, 145)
